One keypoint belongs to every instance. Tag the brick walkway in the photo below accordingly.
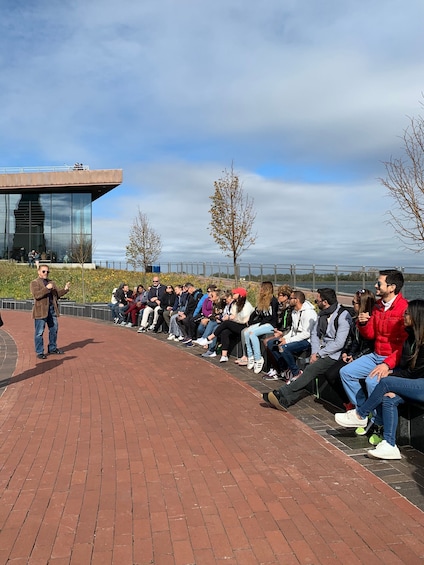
(129, 451)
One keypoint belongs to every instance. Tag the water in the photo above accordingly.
(411, 290)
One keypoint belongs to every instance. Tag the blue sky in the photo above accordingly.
(307, 98)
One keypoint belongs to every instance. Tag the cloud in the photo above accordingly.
(307, 100)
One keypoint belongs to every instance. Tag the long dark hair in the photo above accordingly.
(416, 312)
(366, 300)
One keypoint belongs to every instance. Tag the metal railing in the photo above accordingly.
(61, 168)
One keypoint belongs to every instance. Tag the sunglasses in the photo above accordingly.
(45, 271)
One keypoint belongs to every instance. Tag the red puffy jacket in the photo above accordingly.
(387, 329)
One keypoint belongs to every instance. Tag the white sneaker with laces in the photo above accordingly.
(223, 359)
(257, 367)
(171, 337)
(250, 362)
(350, 419)
(385, 451)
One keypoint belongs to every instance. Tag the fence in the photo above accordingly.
(343, 278)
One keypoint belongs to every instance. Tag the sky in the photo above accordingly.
(306, 98)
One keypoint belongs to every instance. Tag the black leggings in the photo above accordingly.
(226, 330)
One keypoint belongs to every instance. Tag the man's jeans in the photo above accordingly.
(51, 322)
(351, 375)
(409, 389)
(286, 358)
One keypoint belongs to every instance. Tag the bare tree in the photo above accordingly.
(81, 251)
(405, 183)
(232, 217)
(145, 244)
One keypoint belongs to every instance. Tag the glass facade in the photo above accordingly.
(51, 224)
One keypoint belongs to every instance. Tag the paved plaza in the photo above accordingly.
(130, 450)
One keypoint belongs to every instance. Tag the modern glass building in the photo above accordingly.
(49, 210)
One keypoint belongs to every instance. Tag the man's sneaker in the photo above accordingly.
(180, 338)
(287, 375)
(257, 367)
(272, 375)
(186, 340)
(151, 328)
(171, 337)
(250, 362)
(276, 400)
(377, 436)
(209, 353)
(295, 377)
(123, 323)
(223, 359)
(385, 451)
(350, 419)
(115, 320)
(141, 330)
(188, 344)
(129, 325)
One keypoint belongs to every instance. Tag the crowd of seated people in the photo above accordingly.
(379, 341)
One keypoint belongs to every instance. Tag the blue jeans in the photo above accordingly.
(286, 359)
(40, 324)
(351, 375)
(251, 335)
(410, 389)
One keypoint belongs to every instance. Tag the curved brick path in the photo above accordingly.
(129, 451)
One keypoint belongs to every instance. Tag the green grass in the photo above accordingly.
(15, 280)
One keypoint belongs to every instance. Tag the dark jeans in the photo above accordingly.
(285, 358)
(292, 392)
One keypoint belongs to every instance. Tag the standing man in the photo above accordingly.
(386, 327)
(46, 311)
(328, 337)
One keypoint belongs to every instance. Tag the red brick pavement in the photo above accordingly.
(126, 450)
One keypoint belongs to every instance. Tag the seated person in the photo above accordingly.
(170, 315)
(405, 382)
(123, 297)
(154, 296)
(328, 338)
(222, 309)
(355, 347)
(202, 315)
(232, 325)
(297, 340)
(185, 320)
(263, 320)
(166, 304)
(137, 304)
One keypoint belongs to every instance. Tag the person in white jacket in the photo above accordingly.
(298, 338)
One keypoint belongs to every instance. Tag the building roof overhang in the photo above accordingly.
(97, 182)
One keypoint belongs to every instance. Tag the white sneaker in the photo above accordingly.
(141, 330)
(250, 362)
(171, 337)
(180, 338)
(223, 359)
(349, 419)
(258, 365)
(176, 339)
(129, 325)
(201, 341)
(272, 375)
(385, 451)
